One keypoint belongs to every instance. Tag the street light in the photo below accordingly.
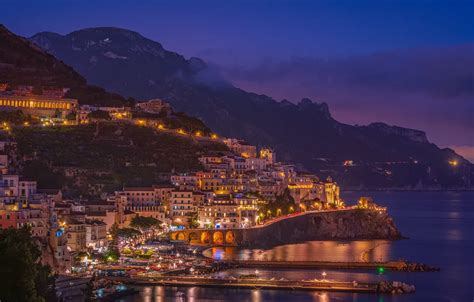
(324, 275)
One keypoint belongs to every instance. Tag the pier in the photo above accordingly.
(401, 266)
(257, 283)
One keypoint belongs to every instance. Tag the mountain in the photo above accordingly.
(377, 155)
(24, 63)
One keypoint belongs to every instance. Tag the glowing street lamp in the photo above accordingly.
(324, 274)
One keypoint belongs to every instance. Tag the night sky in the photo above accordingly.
(409, 63)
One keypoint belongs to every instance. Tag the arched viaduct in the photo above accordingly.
(207, 236)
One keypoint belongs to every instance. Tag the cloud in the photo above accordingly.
(430, 89)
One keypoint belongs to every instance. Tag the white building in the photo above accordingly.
(182, 207)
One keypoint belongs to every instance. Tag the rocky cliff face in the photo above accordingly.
(342, 225)
(412, 134)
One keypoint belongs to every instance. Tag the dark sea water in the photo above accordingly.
(440, 226)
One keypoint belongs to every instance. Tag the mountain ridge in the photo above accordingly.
(25, 63)
(303, 133)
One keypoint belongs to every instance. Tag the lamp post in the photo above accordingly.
(324, 274)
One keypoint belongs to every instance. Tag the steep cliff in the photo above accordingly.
(338, 225)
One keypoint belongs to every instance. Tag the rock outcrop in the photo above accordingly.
(337, 225)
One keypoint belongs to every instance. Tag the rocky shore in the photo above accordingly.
(395, 287)
(353, 224)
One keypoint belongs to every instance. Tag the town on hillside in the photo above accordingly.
(243, 187)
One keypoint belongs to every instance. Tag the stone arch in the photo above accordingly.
(218, 237)
(193, 236)
(229, 237)
(173, 236)
(205, 237)
(181, 236)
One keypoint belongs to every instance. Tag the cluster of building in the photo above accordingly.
(50, 105)
(229, 191)
(226, 193)
(47, 104)
(61, 227)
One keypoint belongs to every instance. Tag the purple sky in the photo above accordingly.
(409, 63)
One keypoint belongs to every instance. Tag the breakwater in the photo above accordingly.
(257, 283)
(401, 265)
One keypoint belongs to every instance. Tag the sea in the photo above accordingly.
(440, 231)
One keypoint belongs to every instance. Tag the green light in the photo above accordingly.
(381, 270)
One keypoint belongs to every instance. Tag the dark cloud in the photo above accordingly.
(442, 72)
(431, 89)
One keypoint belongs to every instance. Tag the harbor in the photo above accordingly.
(253, 282)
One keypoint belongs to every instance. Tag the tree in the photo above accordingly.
(144, 223)
(283, 205)
(22, 277)
(99, 115)
(89, 290)
(193, 221)
(14, 117)
(113, 230)
(127, 233)
(71, 116)
(46, 283)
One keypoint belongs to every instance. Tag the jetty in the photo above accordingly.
(257, 283)
(400, 265)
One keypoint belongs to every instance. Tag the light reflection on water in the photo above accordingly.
(366, 250)
(441, 230)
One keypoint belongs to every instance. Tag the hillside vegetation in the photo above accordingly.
(105, 156)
